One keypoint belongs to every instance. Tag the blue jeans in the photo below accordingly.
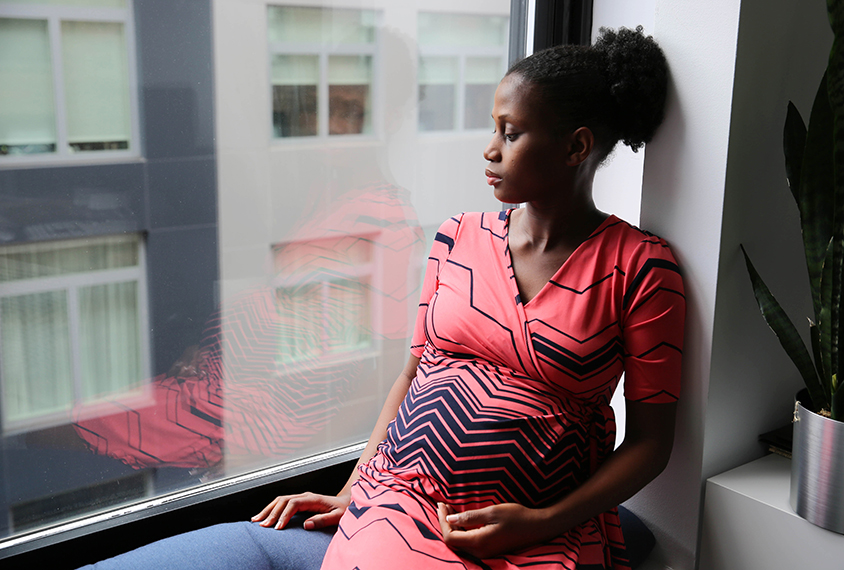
(229, 546)
(246, 545)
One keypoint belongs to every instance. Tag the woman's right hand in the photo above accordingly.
(328, 510)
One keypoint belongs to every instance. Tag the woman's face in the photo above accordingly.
(526, 156)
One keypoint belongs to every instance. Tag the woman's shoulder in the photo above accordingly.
(634, 248)
(631, 235)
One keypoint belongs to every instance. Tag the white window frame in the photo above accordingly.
(462, 53)
(71, 284)
(54, 15)
(323, 52)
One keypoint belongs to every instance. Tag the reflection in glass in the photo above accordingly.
(275, 365)
(349, 105)
(311, 249)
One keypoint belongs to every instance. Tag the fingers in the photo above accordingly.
(323, 520)
(470, 531)
(279, 512)
(467, 520)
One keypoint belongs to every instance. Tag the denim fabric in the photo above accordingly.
(230, 546)
(245, 545)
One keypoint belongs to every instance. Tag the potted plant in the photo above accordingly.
(814, 160)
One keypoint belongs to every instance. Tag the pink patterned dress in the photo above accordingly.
(511, 399)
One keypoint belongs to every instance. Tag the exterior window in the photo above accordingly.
(461, 61)
(322, 66)
(71, 316)
(331, 313)
(66, 78)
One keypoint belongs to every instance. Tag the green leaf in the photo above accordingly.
(824, 325)
(815, 196)
(817, 353)
(793, 143)
(786, 333)
(835, 100)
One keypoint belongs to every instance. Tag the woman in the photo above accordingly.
(494, 448)
(500, 452)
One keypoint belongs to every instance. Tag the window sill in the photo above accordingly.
(214, 502)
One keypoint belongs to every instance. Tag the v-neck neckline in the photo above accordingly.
(509, 257)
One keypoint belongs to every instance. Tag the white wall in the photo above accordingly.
(618, 184)
(713, 178)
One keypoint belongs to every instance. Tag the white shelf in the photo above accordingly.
(748, 523)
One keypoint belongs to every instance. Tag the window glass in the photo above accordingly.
(349, 88)
(468, 30)
(482, 77)
(36, 355)
(242, 299)
(27, 110)
(71, 325)
(438, 84)
(91, 3)
(329, 90)
(461, 59)
(66, 77)
(96, 85)
(295, 79)
(296, 24)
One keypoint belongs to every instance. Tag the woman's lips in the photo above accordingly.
(492, 178)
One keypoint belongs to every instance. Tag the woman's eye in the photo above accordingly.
(511, 137)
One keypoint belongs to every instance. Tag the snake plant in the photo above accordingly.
(814, 163)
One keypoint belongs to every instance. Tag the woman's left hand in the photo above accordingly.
(494, 530)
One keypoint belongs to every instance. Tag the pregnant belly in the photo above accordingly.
(468, 445)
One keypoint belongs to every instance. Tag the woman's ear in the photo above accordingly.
(581, 144)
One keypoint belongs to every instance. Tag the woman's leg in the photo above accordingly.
(228, 547)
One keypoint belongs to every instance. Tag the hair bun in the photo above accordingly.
(637, 73)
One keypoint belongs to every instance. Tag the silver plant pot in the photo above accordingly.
(817, 469)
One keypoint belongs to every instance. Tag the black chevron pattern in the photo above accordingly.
(511, 400)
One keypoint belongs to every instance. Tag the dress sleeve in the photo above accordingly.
(443, 243)
(654, 310)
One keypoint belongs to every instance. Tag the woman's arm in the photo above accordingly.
(330, 509)
(503, 528)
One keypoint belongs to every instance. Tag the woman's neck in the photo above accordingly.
(564, 223)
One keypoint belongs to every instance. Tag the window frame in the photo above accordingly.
(54, 15)
(323, 52)
(70, 284)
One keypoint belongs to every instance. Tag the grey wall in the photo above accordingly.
(782, 50)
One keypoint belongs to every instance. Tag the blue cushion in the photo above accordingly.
(637, 537)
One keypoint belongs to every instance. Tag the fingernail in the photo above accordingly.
(451, 518)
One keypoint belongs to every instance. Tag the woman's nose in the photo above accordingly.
(491, 151)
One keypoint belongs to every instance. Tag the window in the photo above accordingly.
(330, 311)
(322, 67)
(66, 77)
(234, 308)
(461, 60)
(72, 328)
